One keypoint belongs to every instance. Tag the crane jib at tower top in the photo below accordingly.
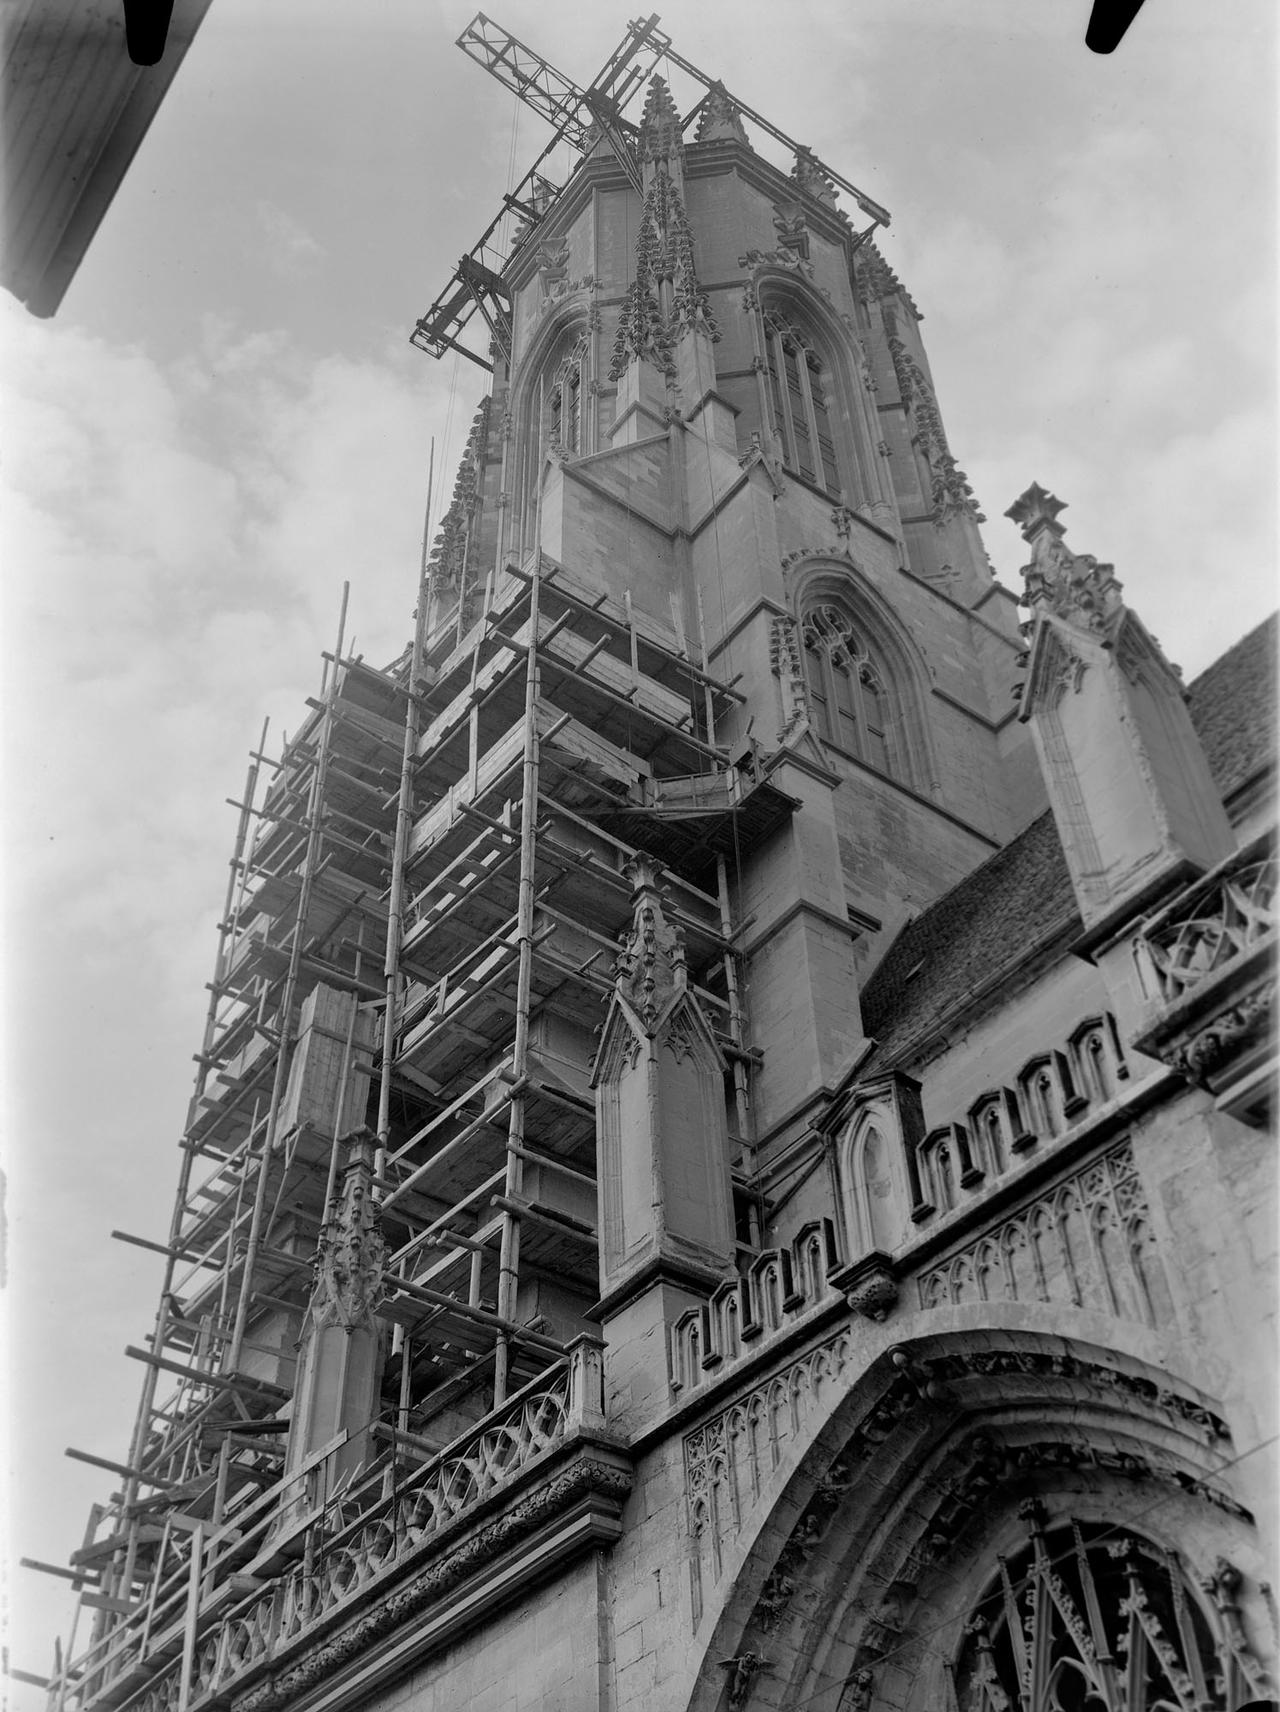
(577, 117)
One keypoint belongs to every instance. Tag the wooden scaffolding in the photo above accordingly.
(441, 854)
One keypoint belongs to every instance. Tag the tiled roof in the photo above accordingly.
(1233, 707)
(986, 931)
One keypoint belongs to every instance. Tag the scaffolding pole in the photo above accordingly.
(404, 817)
(314, 807)
(509, 1254)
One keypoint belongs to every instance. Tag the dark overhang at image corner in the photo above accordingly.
(75, 110)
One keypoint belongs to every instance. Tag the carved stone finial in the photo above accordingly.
(1035, 510)
(660, 135)
(664, 256)
(1071, 585)
(650, 968)
(719, 117)
(809, 175)
(351, 1252)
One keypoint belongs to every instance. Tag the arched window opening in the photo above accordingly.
(846, 690)
(564, 402)
(798, 395)
(551, 415)
(871, 1194)
(1087, 1619)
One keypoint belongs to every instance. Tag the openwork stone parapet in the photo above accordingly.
(391, 1570)
(1207, 966)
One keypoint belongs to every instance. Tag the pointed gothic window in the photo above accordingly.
(552, 413)
(798, 395)
(847, 692)
(563, 423)
(1090, 1619)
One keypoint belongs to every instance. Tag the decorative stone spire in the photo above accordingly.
(1131, 791)
(949, 487)
(1073, 586)
(661, 138)
(720, 118)
(340, 1351)
(665, 298)
(810, 177)
(665, 1193)
(347, 1281)
(875, 280)
(650, 968)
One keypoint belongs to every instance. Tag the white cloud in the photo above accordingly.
(291, 249)
(174, 554)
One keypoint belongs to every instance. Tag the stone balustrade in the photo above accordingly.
(370, 1534)
(1207, 967)
(1231, 910)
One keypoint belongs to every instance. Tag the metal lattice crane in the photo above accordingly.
(477, 286)
(571, 110)
(577, 116)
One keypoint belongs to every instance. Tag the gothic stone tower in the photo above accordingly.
(789, 1208)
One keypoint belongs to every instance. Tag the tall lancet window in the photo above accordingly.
(799, 392)
(551, 414)
(563, 413)
(847, 691)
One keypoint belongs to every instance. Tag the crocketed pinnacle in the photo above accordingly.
(875, 279)
(650, 968)
(719, 117)
(348, 1282)
(448, 551)
(664, 255)
(660, 134)
(809, 176)
(1073, 586)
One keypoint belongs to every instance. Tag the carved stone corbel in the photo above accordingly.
(870, 1285)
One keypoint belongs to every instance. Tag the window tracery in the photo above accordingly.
(554, 419)
(563, 408)
(1088, 1619)
(799, 393)
(847, 692)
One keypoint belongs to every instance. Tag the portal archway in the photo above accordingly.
(861, 1588)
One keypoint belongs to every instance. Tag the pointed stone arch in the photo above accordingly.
(829, 579)
(782, 290)
(881, 1526)
(562, 347)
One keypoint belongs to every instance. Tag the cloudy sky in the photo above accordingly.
(225, 421)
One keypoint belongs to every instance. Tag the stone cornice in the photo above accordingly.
(905, 790)
(405, 1616)
(983, 719)
(1014, 644)
(1095, 1132)
(720, 155)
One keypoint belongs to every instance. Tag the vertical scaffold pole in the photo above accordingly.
(404, 816)
(509, 1251)
(279, 1081)
(737, 1031)
(126, 1566)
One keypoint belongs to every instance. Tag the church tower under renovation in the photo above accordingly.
(730, 1165)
